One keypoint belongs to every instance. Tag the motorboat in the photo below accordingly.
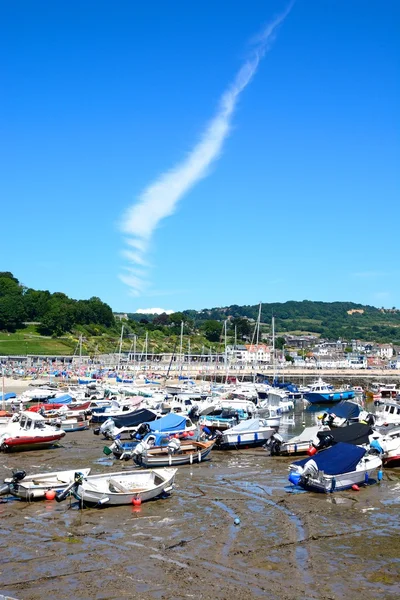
(123, 487)
(359, 434)
(125, 424)
(390, 444)
(344, 413)
(337, 468)
(299, 444)
(388, 414)
(115, 409)
(28, 431)
(321, 392)
(34, 487)
(222, 419)
(173, 453)
(248, 433)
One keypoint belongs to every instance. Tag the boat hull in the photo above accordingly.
(249, 439)
(328, 397)
(22, 443)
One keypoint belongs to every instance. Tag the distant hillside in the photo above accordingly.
(331, 320)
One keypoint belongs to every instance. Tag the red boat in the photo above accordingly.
(28, 431)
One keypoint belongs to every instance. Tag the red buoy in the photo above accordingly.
(136, 501)
(50, 495)
(355, 488)
(311, 451)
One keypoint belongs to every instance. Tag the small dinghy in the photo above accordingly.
(338, 468)
(114, 489)
(173, 454)
(34, 487)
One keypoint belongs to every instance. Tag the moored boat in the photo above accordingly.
(114, 489)
(249, 433)
(337, 468)
(34, 487)
(175, 453)
(28, 431)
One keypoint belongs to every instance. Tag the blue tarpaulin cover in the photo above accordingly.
(8, 396)
(345, 410)
(170, 422)
(65, 399)
(341, 458)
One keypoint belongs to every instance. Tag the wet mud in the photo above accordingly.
(287, 545)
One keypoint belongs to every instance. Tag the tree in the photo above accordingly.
(212, 330)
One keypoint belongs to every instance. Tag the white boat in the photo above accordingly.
(338, 468)
(28, 431)
(390, 444)
(123, 487)
(299, 444)
(389, 414)
(34, 487)
(249, 433)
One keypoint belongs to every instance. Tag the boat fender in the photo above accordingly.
(311, 451)
(366, 479)
(380, 475)
(294, 478)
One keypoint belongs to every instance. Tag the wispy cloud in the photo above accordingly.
(159, 199)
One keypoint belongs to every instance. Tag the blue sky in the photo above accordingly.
(99, 100)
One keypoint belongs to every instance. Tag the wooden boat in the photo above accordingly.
(174, 454)
(34, 487)
(338, 468)
(28, 431)
(123, 487)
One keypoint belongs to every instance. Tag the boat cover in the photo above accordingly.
(247, 425)
(65, 399)
(307, 434)
(170, 422)
(8, 396)
(356, 433)
(340, 458)
(345, 410)
(135, 417)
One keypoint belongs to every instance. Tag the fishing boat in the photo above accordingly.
(321, 392)
(174, 453)
(34, 487)
(249, 433)
(28, 431)
(123, 487)
(337, 468)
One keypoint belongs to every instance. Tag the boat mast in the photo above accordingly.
(273, 350)
(180, 351)
(120, 346)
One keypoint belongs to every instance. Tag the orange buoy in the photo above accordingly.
(136, 501)
(50, 495)
(355, 488)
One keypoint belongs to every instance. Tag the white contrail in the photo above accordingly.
(159, 199)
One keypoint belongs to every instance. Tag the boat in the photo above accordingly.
(389, 414)
(34, 487)
(299, 444)
(249, 433)
(28, 431)
(337, 468)
(359, 434)
(115, 409)
(344, 413)
(70, 424)
(223, 419)
(174, 453)
(321, 392)
(126, 423)
(383, 390)
(390, 444)
(123, 487)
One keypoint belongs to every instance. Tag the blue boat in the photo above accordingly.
(323, 393)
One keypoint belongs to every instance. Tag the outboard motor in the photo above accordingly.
(78, 478)
(325, 442)
(16, 477)
(218, 437)
(107, 428)
(274, 444)
(174, 446)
